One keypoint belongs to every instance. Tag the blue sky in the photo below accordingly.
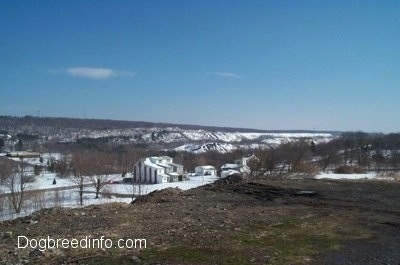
(323, 65)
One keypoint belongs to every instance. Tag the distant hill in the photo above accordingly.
(10, 123)
(29, 131)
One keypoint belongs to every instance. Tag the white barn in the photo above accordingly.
(157, 169)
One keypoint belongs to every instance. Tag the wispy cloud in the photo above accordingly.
(96, 73)
(226, 74)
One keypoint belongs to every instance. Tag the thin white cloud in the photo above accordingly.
(226, 74)
(96, 73)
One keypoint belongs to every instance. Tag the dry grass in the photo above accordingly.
(346, 169)
(390, 176)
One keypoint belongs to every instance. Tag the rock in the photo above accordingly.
(57, 252)
(307, 193)
(135, 260)
(36, 253)
(26, 220)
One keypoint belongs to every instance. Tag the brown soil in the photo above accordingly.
(270, 221)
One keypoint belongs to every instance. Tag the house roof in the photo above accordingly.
(153, 162)
(207, 167)
(175, 164)
(164, 165)
(160, 157)
(230, 166)
(231, 172)
(149, 163)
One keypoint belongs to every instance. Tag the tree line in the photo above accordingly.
(349, 153)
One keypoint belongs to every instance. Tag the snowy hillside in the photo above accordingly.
(191, 138)
(228, 141)
(169, 135)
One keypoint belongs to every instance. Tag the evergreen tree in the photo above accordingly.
(2, 144)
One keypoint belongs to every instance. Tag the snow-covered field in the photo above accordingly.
(43, 194)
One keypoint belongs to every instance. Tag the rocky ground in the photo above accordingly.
(269, 221)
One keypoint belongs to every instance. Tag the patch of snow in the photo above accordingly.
(328, 175)
(45, 181)
(70, 198)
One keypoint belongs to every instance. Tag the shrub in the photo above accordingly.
(307, 168)
(37, 170)
(345, 169)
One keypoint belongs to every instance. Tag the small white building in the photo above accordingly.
(157, 169)
(239, 167)
(229, 169)
(207, 170)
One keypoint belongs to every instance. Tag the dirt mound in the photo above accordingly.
(164, 195)
(325, 221)
(231, 179)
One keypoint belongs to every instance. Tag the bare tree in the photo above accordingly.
(295, 153)
(395, 159)
(104, 166)
(80, 168)
(269, 159)
(254, 165)
(131, 188)
(328, 154)
(61, 166)
(6, 167)
(16, 184)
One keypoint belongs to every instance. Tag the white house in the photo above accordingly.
(157, 169)
(205, 171)
(239, 167)
(245, 160)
